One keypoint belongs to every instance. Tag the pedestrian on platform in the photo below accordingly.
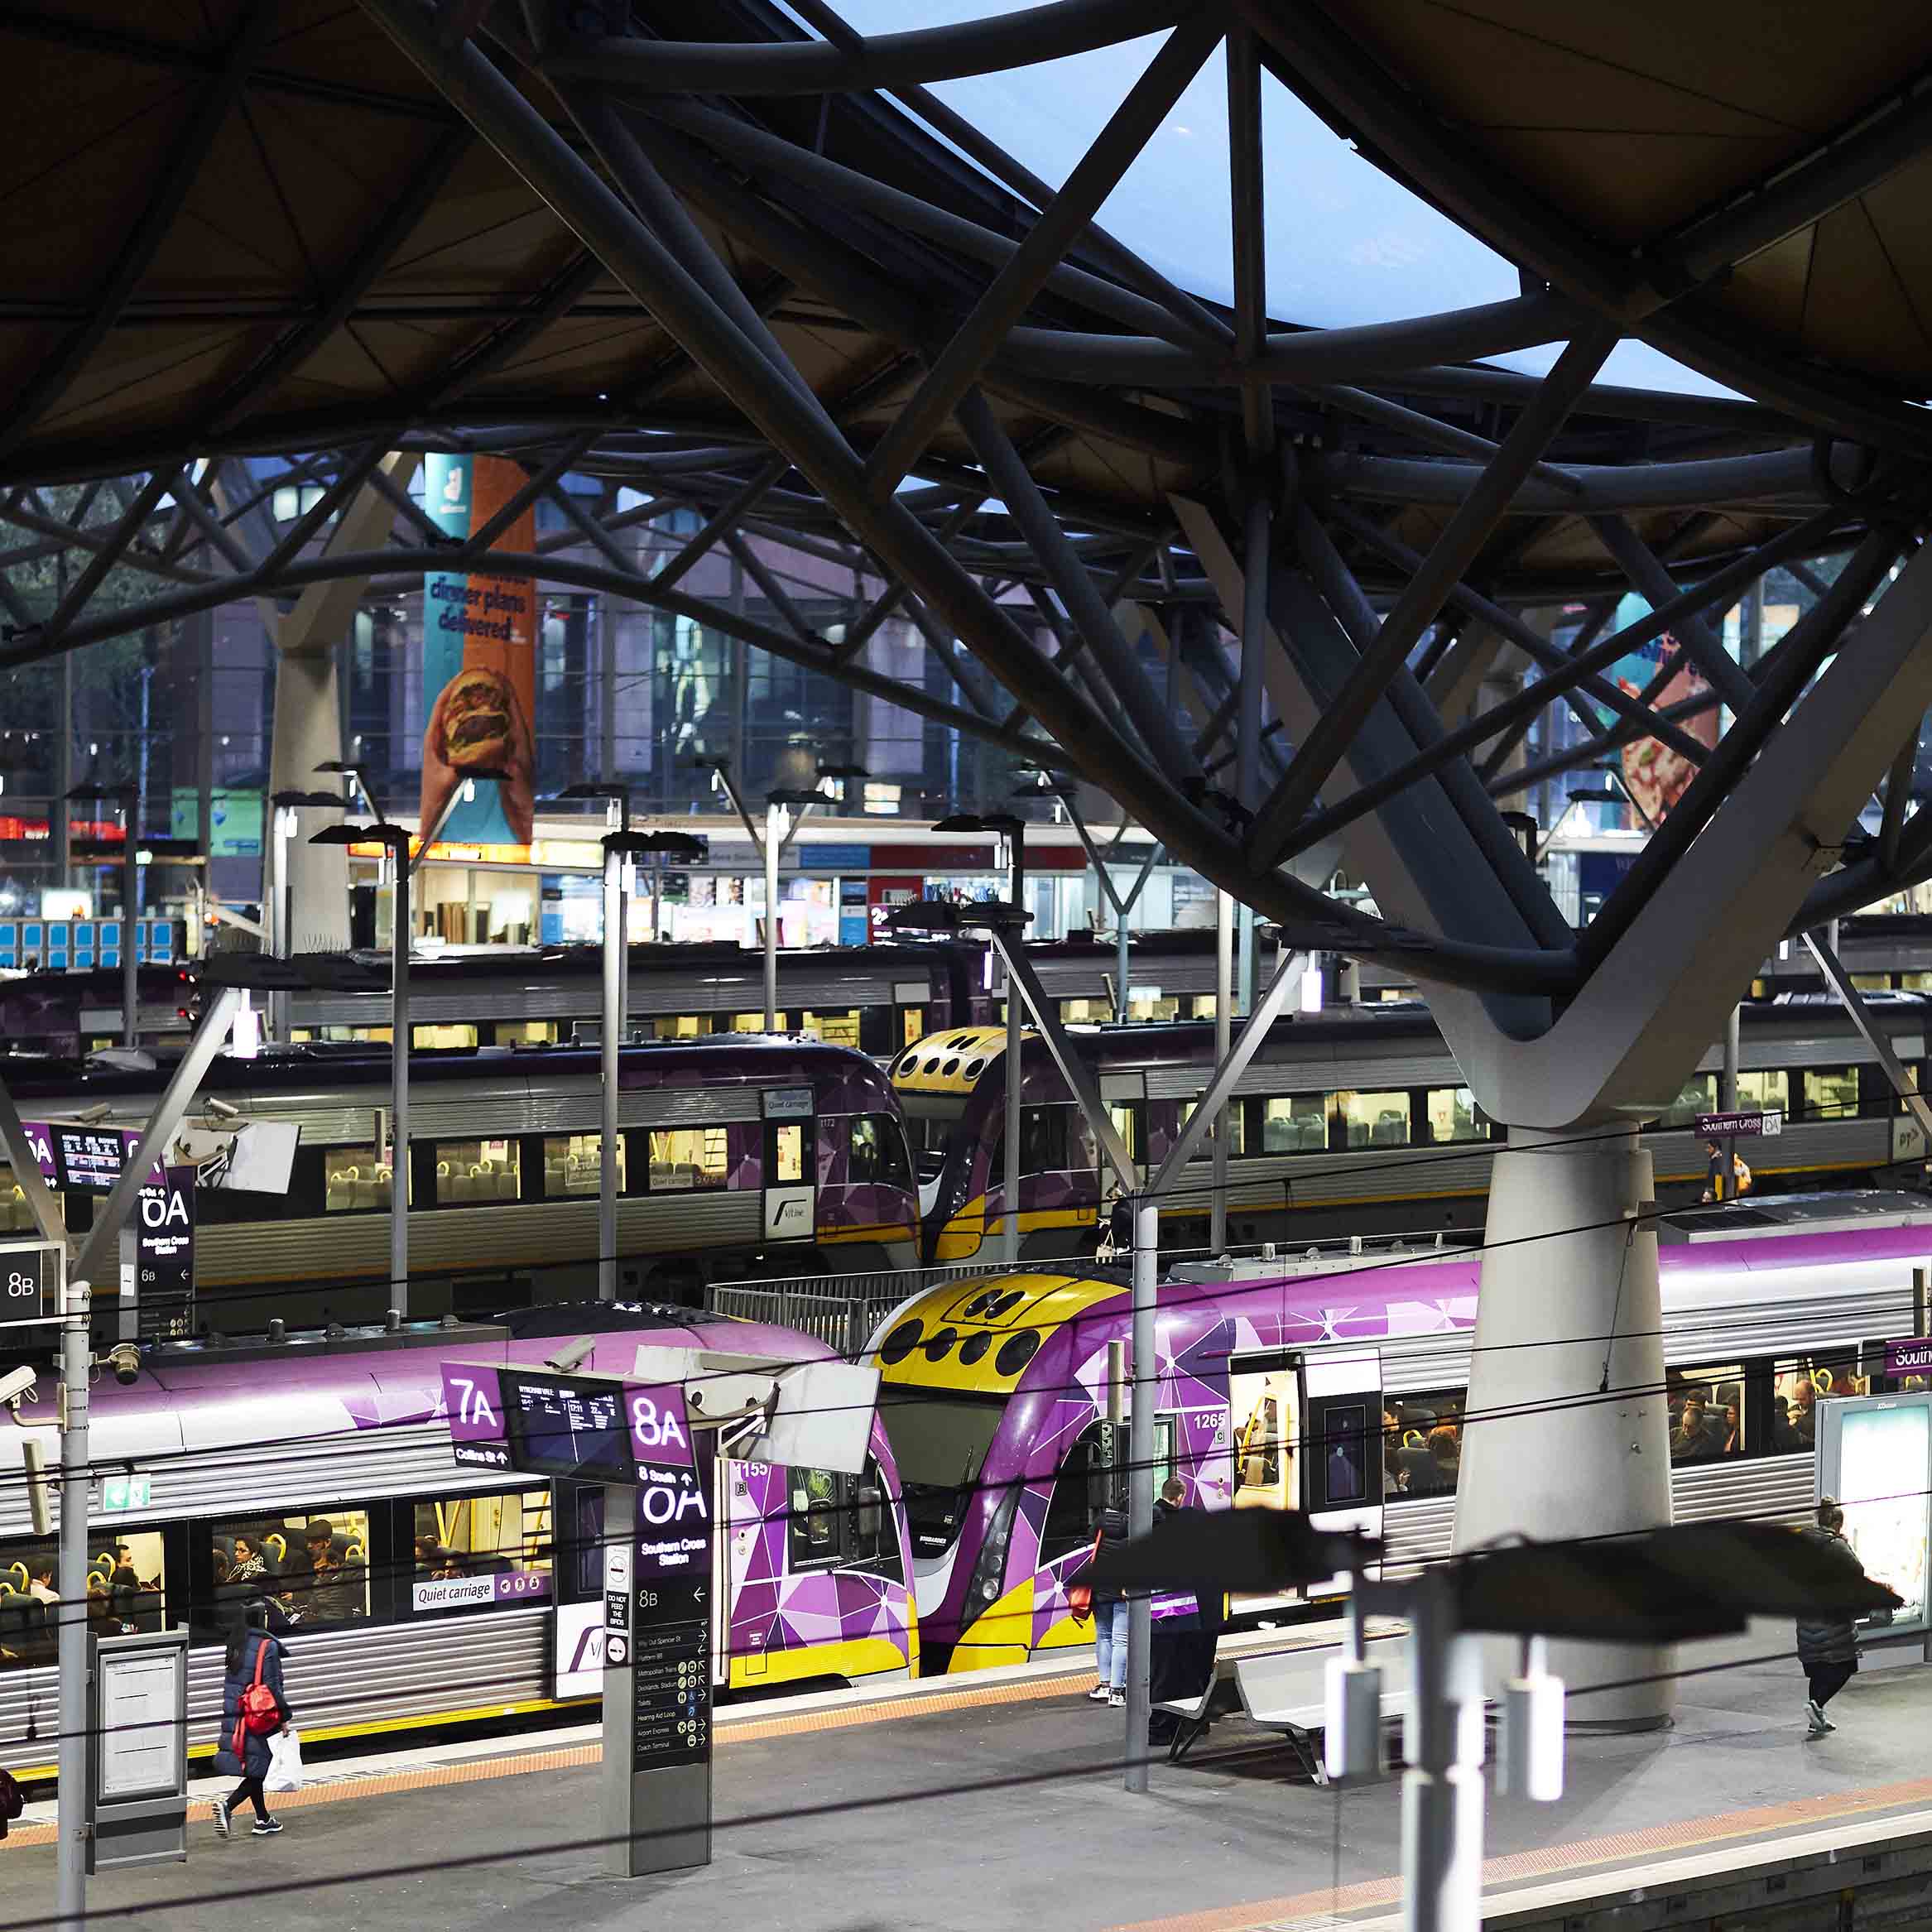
(1183, 1644)
(1110, 1618)
(1829, 1650)
(249, 1719)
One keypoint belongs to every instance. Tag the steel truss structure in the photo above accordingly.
(771, 278)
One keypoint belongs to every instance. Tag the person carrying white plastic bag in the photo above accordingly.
(285, 1766)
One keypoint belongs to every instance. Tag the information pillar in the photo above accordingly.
(657, 1670)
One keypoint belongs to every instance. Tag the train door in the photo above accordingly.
(1305, 1433)
(790, 1164)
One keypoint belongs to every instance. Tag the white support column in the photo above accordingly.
(1223, 1037)
(1565, 1433)
(1146, 1372)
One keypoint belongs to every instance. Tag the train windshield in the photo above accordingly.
(940, 1441)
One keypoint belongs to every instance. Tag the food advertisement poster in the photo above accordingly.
(1657, 775)
(479, 659)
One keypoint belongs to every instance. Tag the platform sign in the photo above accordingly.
(1718, 1126)
(32, 1274)
(137, 1797)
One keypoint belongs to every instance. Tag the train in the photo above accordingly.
(1356, 1120)
(877, 999)
(994, 1395)
(454, 1594)
(741, 1157)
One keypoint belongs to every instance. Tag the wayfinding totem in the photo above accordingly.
(651, 1440)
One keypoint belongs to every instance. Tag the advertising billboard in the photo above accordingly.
(479, 657)
(1875, 1457)
(1657, 775)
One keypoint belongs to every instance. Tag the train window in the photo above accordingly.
(1129, 1119)
(838, 1519)
(316, 1567)
(1706, 1410)
(472, 1172)
(572, 1165)
(1294, 1124)
(1143, 1003)
(354, 1181)
(448, 1035)
(15, 1216)
(1698, 1094)
(1262, 1398)
(528, 1032)
(1831, 1093)
(812, 1518)
(877, 1152)
(683, 1159)
(755, 1022)
(1092, 1478)
(1374, 1120)
(1765, 1090)
(1454, 1116)
(680, 1026)
(124, 1585)
(1233, 1123)
(1799, 1383)
(785, 1154)
(1422, 1443)
(479, 1552)
(835, 1029)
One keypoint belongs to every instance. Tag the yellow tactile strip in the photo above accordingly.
(791, 1723)
(1650, 1842)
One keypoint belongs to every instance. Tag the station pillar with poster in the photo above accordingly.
(651, 1450)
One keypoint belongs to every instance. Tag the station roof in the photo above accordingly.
(257, 226)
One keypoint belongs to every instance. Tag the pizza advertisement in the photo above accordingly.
(479, 665)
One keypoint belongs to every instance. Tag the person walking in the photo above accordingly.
(248, 1719)
(1110, 1618)
(1829, 1650)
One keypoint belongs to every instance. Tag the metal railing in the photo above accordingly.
(843, 1311)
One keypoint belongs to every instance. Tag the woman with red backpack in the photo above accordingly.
(253, 1710)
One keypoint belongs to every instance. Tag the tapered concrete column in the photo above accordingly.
(1566, 1433)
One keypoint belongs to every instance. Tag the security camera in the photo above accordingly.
(574, 1356)
(124, 1359)
(18, 1386)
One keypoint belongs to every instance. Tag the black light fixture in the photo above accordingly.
(946, 916)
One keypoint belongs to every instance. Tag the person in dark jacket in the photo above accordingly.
(1183, 1644)
(1110, 1618)
(244, 1753)
(1828, 1650)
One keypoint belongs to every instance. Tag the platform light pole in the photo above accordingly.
(76, 1479)
(621, 849)
(1011, 828)
(125, 799)
(394, 839)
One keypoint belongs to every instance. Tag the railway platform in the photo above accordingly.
(995, 1800)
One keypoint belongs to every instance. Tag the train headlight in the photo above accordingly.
(989, 1569)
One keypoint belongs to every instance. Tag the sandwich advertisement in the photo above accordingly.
(479, 658)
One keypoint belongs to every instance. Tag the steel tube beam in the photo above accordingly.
(1788, 671)
(1049, 32)
(1874, 1035)
(1897, 790)
(958, 366)
(616, 958)
(99, 1254)
(1223, 1041)
(1229, 1068)
(1639, 564)
(41, 1201)
(1448, 559)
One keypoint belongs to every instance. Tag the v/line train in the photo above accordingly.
(1357, 1121)
(877, 999)
(739, 1158)
(1335, 1384)
(424, 1592)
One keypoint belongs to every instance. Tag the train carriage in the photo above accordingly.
(1335, 1383)
(319, 1472)
(740, 1156)
(1357, 1121)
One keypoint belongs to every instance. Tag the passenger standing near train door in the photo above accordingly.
(1828, 1650)
(1110, 1618)
(253, 1709)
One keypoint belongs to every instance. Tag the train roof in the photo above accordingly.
(720, 1058)
(979, 1337)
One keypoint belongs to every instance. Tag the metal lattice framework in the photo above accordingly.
(769, 276)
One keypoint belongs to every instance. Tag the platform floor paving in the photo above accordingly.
(996, 1805)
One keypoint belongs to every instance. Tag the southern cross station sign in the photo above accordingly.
(1717, 1127)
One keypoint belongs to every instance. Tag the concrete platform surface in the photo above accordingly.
(995, 1805)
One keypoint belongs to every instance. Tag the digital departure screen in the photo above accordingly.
(565, 1425)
